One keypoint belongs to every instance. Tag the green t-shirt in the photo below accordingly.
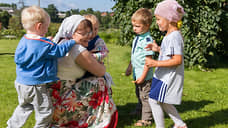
(139, 53)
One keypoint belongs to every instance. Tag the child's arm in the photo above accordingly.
(99, 55)
(61, 49)
(174, 61)
(100, 51)
(128, 70)
(144, 74)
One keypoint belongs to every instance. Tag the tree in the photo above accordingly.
(89, 11)
(105, 21)
(203, 28)
(4, 18)
(83, 12)
(14, 6)
(15, 23)
(53, 12)
(72, 12)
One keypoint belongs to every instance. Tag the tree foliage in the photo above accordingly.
(53, 12)
(204, 28)
(4, 18)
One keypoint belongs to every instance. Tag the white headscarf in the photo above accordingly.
(68, 27)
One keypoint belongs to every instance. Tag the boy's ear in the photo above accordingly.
(38, 26)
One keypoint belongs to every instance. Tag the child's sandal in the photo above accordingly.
(141, 123)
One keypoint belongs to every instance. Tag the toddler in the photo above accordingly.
(142, 75)
(36, 68)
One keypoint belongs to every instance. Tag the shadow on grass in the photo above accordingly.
(192, 105)
(127, 120)
(124, 118)
(6, 54)
(215, 118)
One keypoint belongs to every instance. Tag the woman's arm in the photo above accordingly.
(90, 64)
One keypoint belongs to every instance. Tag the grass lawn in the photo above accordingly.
(204, 102)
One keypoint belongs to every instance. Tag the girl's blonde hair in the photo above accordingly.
(143, 15)
(32, 15)
(92, 18)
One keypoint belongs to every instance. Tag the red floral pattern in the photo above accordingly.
(80, 106)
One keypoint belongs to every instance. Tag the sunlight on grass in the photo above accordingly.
(205, 95)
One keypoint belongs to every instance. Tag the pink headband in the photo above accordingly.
(170, 10)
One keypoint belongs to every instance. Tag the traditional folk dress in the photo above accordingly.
(81, 103)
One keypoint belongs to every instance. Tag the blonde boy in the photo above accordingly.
(142, 75)
(36, 67)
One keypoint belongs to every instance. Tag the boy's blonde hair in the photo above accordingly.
(143, 15)
(32, 15)
(92, 18)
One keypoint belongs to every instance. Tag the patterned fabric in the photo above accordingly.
(87, 103)
(98, 48)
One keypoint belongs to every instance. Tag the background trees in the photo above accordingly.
(53, 12)
(204, 28)
(4, 18)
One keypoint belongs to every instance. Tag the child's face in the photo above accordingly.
(138, 27)
(82, 36)
(162, 23)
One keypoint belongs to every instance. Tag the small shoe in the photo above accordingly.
(175, 126)
(141, 123)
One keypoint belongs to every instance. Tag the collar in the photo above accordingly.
(33, 36)
(144, 34)
(91, 44)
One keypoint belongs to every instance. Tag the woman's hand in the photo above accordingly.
(153, 46)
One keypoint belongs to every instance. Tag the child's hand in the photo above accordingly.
(128, 72)
(153, 46)
(138, 81)
(151, 62)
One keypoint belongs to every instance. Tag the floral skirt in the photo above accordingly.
(87, 103)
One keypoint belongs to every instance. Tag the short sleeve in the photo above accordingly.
(147, 41)
(76, 50)
(174, 44)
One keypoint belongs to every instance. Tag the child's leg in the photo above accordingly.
(144, 96)
(24, 109)
(139, 104)
(158, 114)
(138, 108)
(172, 112)
(43, 107)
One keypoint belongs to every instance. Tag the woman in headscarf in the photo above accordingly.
(81, 102)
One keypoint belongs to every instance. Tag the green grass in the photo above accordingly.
(204, 104)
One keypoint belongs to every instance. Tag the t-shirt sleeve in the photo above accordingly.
(147, 41)
(174, 45)
(75, 51)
